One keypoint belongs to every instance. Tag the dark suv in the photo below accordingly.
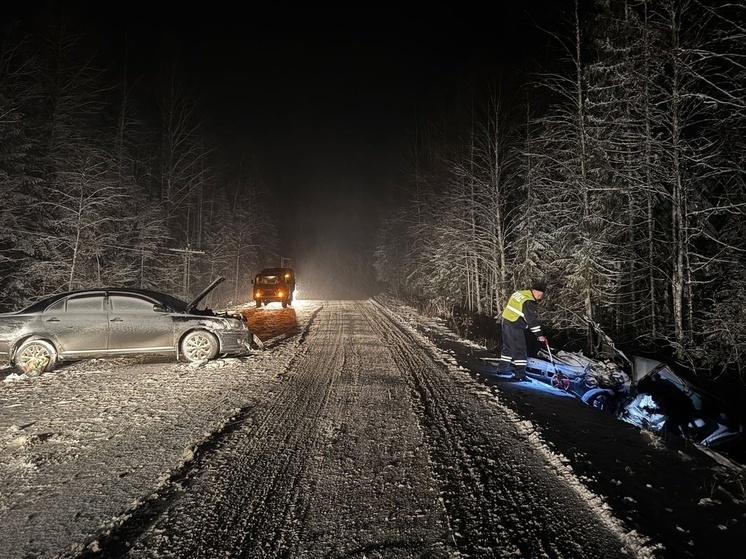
(274, 285)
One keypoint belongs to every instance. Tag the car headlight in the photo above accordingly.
(217, 324)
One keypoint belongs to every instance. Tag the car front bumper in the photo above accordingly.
(235, 342)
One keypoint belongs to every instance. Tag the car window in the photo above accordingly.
(89, 303)
(57, 306)
(124, 303)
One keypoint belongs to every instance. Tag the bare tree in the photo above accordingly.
(483, 189)
(565, 188)
(70, 104)
(184, 158)
(17, 88)
(145, 231)
(241, 232)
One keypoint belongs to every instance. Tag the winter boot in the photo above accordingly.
(520, 373)
(505, 368)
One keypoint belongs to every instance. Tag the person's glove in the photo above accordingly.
(543, 339)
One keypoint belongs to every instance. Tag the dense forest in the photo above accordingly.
(103, 187)
(617, 175)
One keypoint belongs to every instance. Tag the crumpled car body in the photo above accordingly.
(114, 322)
(601, 379)
(647, 393)
(600, 383)
(666, 403)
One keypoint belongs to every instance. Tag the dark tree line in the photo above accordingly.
(96, 193)
(618, 177)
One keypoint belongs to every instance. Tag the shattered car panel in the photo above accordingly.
(113, 322)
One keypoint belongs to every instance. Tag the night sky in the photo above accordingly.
(322, 98)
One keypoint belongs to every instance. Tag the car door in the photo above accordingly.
(135, 325)
(79, 324)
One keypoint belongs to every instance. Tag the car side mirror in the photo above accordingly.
(159, 308)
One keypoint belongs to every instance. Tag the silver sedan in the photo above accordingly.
(112, 322)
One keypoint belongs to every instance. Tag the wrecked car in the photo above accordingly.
(115, 322)
(600, 383)
(647, 393)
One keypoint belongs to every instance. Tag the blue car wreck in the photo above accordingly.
(648, 393)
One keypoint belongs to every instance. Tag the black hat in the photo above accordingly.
(539, 285)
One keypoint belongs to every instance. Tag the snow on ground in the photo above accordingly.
(118, 458)
(691, 503)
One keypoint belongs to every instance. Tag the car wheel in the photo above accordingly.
(560, 382)
(199, 346)
(32, 356)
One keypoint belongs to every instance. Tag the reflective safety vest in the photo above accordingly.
(516, 310)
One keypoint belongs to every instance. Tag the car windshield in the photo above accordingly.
(268, 279)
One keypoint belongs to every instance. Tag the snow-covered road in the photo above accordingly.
(351, 435)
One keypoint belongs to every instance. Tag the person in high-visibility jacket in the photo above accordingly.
(520, 314)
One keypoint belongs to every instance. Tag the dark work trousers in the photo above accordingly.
(513, 353)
